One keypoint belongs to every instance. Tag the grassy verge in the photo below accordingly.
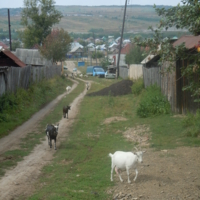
(81, 167)
(10, 158)
(16, 109)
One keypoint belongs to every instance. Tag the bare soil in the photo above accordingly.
(167, 174)
(163, 175)
(121, 88)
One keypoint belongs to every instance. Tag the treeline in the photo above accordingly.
(13, 11)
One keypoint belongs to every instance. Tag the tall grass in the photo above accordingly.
(153, 102)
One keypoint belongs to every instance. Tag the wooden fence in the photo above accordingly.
(171, 85)
(135, 71)
(123, 72)
(22, 77)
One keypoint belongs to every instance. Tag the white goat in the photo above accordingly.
(68, 88)
(87, 85)
(124, 161)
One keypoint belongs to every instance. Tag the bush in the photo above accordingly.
(153, 103)
(192, 125)
(137, 86)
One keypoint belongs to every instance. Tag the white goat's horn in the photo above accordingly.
(136, 148)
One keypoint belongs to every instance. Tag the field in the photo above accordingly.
(81, 19)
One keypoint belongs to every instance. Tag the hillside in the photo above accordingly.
(80, 19)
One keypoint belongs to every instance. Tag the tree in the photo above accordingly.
(135, 56)
(38, 17)
(98, 54)
(56, 45)
(185, 16)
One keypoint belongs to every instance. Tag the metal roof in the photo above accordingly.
(32, 57)
(15, 59)
(75, 49)
(189, 40)
(149, 58)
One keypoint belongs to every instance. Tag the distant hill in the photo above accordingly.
(81, 19)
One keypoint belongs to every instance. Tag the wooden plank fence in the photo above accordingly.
(22, 77)
(171, 85)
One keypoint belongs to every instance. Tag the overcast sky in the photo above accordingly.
(19, 3)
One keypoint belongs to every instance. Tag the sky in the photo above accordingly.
(19, 3)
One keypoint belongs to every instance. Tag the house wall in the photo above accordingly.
(122, 60)
(17, 77)
(135, 71)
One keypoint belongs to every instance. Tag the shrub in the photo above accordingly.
(153, 103)
(137, 86)
(191, 124)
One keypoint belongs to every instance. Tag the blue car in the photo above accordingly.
(98, 72)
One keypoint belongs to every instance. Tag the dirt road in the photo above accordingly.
(18, 181)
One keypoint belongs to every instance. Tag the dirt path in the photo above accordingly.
(19, 180)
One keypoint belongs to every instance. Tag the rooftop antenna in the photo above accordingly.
(120, 46)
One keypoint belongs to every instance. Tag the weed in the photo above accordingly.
(192, 125)
(153, 103)
(138, 86)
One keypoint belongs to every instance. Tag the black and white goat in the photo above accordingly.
(52, 132)
(121, 160)
(66, 110)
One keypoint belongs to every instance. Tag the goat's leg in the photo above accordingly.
(48, 138)
(119, 173)
(136, 173)
(50, 143)
(127, 171)
(55, 143)
(111, 177)
(67, 115)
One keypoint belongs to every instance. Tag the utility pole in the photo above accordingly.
(120, 46)
(95, 49)
(9, 29)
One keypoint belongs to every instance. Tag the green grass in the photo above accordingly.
(15, 109)
(10, 158)
(81, 167)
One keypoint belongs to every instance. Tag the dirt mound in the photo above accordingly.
(117, 89)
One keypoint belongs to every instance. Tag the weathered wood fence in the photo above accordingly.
(123, 72)
(171, 85)
(17, 77)
(135, 71)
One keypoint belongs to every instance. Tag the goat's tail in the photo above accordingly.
(110, 155)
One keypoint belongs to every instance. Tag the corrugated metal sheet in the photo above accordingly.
(189, 40)
(32, 57)
(14, 58)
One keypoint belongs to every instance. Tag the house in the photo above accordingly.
(76, 52)
(32, 57)
(9, 72)
(75, 44)
(125, 50)
(172, 83)
(8, 59)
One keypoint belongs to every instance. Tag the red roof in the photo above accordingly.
(13, 61)
(126, 49)
(189, 40)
